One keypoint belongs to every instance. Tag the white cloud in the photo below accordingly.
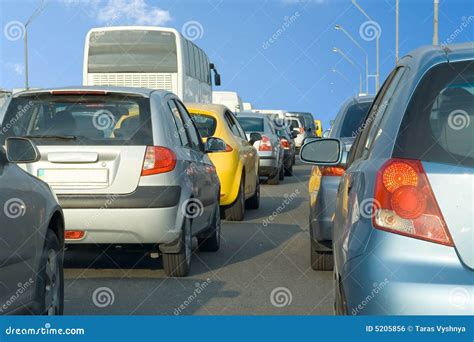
(17, 68)
(132, 12)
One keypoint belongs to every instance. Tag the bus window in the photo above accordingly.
(196, 62)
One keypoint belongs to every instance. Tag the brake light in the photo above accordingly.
(301, 129)
(332, 171)
(265, 144)
(228, 148)
(73, 234)
(158, 160)
(78, 92)
(404, 203)
(284, 144)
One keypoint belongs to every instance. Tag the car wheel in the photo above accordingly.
(274, 180)
(179, 264)
(321, 261)
(254, 201)
(289, 170)
(236, 211)
(281, 173)
(212, 241)
(51, 277)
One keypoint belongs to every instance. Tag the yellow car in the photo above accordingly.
(237, 168)
(318, 128)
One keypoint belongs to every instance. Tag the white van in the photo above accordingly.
(230, 99)
(248, 106)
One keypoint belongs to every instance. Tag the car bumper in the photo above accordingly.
(268, 166)
(405, 276)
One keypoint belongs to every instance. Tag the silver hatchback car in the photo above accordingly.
(403, 234)
(128, 166)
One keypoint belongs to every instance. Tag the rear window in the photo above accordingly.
(295, 124)
(438, 125)
(80, 119)
(205, 124)
(251, 124)
(354, 119)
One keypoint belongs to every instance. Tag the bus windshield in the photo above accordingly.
(131, 51)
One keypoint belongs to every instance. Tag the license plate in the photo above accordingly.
(73, 176)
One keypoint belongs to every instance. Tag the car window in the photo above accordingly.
(179, 123)
(93, 120)
(438, 124)
(232, 124)
(357, 151)
(193, 134)
(251, 124)
(353, 119)
(205, 124)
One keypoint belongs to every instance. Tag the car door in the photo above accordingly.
(20, 219)
(206, 185)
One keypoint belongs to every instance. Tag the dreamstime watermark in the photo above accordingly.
(14, 30)
(466, 21)
(377, 288)
(46, 330)
(192, 30)
(14, 208)
(288, 199)
(460, 297)
(96, 36)
(287, 22)
(21, 110)
(370, 30)
(199, 288)
(368, 207)
(279, 122)
(103, 120)
(281, 297)
(21, 289)
(459, 119)
(192, 208)
(109, 200)
(103, 297)
(376, 111)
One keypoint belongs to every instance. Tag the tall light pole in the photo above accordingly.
(35, 14)
(397, 12)
(435, 23)
(377, 46)
(337, 50)
(342, 29)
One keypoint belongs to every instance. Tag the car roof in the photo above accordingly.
(248, 114)
(145, 92)
(213, 109)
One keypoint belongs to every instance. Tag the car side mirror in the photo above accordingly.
(324, 152)
(21, 150)
(254, 137)
(215, 145)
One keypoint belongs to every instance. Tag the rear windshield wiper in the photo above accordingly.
(51, 137)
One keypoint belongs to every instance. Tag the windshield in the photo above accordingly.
(132, 51)
(205, 124)
(251, 124)
(90, 120)
(354, 118)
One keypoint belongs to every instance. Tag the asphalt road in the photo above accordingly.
(261, 268)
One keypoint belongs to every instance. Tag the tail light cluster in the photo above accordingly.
(332, 171)
(265, 144)
(284, 144)
(158, 160)
(404, 203)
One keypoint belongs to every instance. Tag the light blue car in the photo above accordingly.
(403, 233)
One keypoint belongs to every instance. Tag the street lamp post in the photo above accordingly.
(342, 29)
(337, 50)
(435, 23)
(377, 46)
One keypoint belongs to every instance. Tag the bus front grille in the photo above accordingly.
(152, 81)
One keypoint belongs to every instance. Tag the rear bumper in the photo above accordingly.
(142, 197)
(124, 226)
(268, 166)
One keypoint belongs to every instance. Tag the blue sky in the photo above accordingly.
(269, 66)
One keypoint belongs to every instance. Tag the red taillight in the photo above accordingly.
(228, 148)
(301, 129)
(332, 171)
(158, 160)
(265, 144)
(284, 144)
(405, 204)
(73, 234)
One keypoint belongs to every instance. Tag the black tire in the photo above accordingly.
(212, 241)
(289, 170)
(281, 173)
(236, 211)
(321, 261)
(254, 201)
(50, 279)
(179, 264)
(274, 180)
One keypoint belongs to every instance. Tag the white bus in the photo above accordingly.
(230, 99)
(148, 57)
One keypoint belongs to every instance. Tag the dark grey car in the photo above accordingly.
(129, 168)
(347, 125)
(31, 236)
